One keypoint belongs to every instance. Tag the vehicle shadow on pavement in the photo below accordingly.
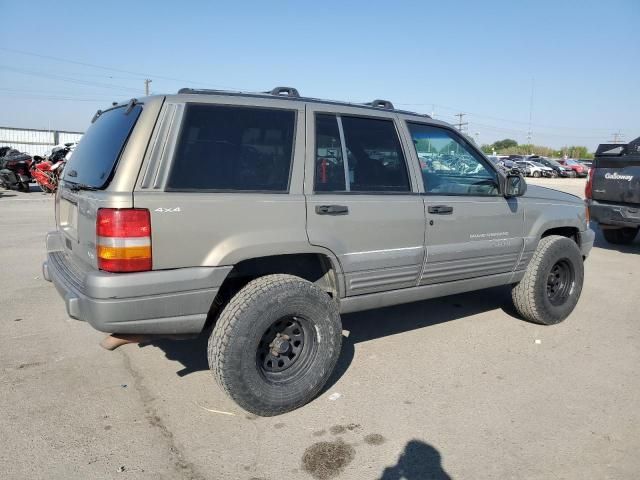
(418, 461)
(383, 322)
(600, 242)
(360, 327)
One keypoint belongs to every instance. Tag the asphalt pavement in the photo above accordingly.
(457, 387)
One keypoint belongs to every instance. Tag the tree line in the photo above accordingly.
(509, 146)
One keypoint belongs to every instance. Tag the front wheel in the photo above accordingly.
(552, 283)
(620, 236)
(275, 344)
(536, 174)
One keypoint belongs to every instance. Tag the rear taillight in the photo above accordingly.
(588, 188)
(123, 239)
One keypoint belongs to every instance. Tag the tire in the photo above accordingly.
(620, 236)
(536, 174)
(238, 352)
(534, 297)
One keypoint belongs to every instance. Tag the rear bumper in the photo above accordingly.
(614, 214)
(156, 302)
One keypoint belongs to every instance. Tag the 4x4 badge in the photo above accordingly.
(167, 210)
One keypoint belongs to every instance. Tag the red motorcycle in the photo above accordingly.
(46, 171)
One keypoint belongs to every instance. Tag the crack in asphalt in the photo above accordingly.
(185, 469)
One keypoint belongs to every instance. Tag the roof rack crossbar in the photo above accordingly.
(378, 103)
(284, 91)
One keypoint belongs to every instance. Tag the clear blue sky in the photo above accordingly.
(477, 57)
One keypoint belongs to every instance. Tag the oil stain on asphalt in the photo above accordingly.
(324, 460)
(374, 439)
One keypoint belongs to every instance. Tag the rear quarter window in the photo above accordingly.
(95, 157)
(227, 148)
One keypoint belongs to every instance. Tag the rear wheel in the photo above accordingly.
(275, 344)
(620, 236)
(551, 286)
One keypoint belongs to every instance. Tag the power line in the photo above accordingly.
(51, 97)
(68, 79)
(522, 122)
(102, 67)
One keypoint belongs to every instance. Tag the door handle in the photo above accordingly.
(440, 209)
(332, 209)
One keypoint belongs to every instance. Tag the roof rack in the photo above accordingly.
(290, 93)
(284, 91)
(386, 104)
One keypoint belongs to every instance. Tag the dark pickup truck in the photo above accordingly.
(613, 191)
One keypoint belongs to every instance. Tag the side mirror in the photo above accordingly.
(514, 185)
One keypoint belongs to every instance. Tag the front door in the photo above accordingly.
(472, 230)
(362, 199)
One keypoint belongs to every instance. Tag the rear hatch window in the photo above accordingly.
(95, 157)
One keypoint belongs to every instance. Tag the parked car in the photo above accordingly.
(504, 164)
(537, 169)
(220, 210)
(524, 168)
(559, 170)
(586, 162)
(613, 191)
(579, 169)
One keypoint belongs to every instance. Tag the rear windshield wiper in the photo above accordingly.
(76, 187)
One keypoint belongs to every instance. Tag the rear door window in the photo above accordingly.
(225, 148)
(330, 172)
(375, 162)
(96, 155)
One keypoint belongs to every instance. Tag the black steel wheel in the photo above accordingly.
(560, 282)
(282, 349)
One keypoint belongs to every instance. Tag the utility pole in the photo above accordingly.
(617, 137)
(529, 133)
(147, 81)
(460, 122)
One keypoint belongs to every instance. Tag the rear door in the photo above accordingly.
(472, 230)
(362, 199)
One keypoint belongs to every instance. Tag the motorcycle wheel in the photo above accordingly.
(23, 187)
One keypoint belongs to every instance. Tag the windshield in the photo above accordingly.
(554, 163)
(571, 162)
(97, 153)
